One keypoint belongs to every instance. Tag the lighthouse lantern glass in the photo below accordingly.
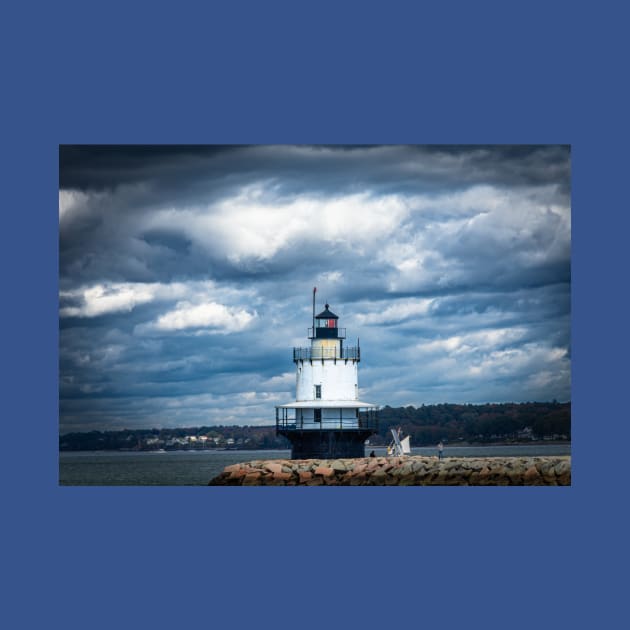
(327, 323)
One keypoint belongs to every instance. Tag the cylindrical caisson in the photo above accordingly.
(336, 380)
(327, 444)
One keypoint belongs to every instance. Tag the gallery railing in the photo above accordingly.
(311, 354)
(366, 420)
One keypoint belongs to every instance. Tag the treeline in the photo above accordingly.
(190, 438)
(429, 424)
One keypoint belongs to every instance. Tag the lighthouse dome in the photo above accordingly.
(326, 314)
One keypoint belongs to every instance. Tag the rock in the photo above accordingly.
(562, 468)
(273, 467)
(377, 477)
(251, 479)
(324, 471)
(285, 476)
(237, 474)
(515, 477)
(532, 476)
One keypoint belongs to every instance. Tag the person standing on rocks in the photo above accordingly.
(440, 450)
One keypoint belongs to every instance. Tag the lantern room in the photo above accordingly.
(326, 326)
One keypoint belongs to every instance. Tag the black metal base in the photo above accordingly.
(326, 443)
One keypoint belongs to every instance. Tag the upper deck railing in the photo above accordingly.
(310, 354)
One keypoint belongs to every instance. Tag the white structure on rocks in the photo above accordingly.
(327, 419)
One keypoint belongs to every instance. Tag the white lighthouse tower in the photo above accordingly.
(327, 419)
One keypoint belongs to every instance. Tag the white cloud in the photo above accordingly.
(123, 297)
(102, 299)
(330, 277)
(201, 310)
(249, 225)
(399, 311)
(483, 341)
(285, 380)
(518, 362)
(205, 315)
(72, 202)
(454, 238)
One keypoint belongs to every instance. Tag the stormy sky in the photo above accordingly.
(186, 276)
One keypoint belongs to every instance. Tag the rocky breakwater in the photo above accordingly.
(400, 471)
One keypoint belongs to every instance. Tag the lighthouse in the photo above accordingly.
(327, 420)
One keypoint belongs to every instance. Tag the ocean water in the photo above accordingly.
(196, 468)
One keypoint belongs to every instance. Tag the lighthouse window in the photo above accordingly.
(326, 323)
(318, 391)
(318, 415)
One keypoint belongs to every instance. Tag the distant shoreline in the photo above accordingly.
(367, 447)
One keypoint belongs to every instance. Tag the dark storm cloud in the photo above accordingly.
(186, 271)
(318, 168)
(125, 186)
(100, 167)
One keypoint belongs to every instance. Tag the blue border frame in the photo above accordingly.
(450, 72)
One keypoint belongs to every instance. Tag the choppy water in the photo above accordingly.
(193, 468)
(171, 468)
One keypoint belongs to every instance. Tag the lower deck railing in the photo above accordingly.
(365, 420)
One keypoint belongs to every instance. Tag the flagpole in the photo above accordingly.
(314, 290)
